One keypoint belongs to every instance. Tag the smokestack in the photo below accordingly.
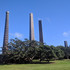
(65, 44)
(31, 37)
(40, 32)
(5, 41)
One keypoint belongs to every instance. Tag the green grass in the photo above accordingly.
(57, 65)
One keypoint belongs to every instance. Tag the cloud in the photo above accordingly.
(66, 34)
(18, 35)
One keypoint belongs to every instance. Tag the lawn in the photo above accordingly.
(55, 65)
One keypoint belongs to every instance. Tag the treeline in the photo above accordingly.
(25, 51)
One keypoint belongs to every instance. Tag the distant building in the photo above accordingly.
(65, 44)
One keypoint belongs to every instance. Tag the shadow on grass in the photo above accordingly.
(41, 63)
(29, 63)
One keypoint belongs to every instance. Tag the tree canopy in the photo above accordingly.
(25, 51)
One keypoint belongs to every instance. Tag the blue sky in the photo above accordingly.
(55, 16)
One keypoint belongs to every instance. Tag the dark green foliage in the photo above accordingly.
(45, 53)
(25, 51)
(58, 51)
(66, 51)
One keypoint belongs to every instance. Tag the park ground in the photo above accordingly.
(54, 65)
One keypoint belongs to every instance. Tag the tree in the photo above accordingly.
(59, 52)
(44, 52)
(66, 51)
(21, 51)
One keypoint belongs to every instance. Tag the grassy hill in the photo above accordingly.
(55, 65)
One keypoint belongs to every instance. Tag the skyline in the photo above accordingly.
(55, 23)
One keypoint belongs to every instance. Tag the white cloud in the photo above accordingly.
(18, 35)
(66, 34)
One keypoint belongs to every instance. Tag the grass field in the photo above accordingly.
(56, 65)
